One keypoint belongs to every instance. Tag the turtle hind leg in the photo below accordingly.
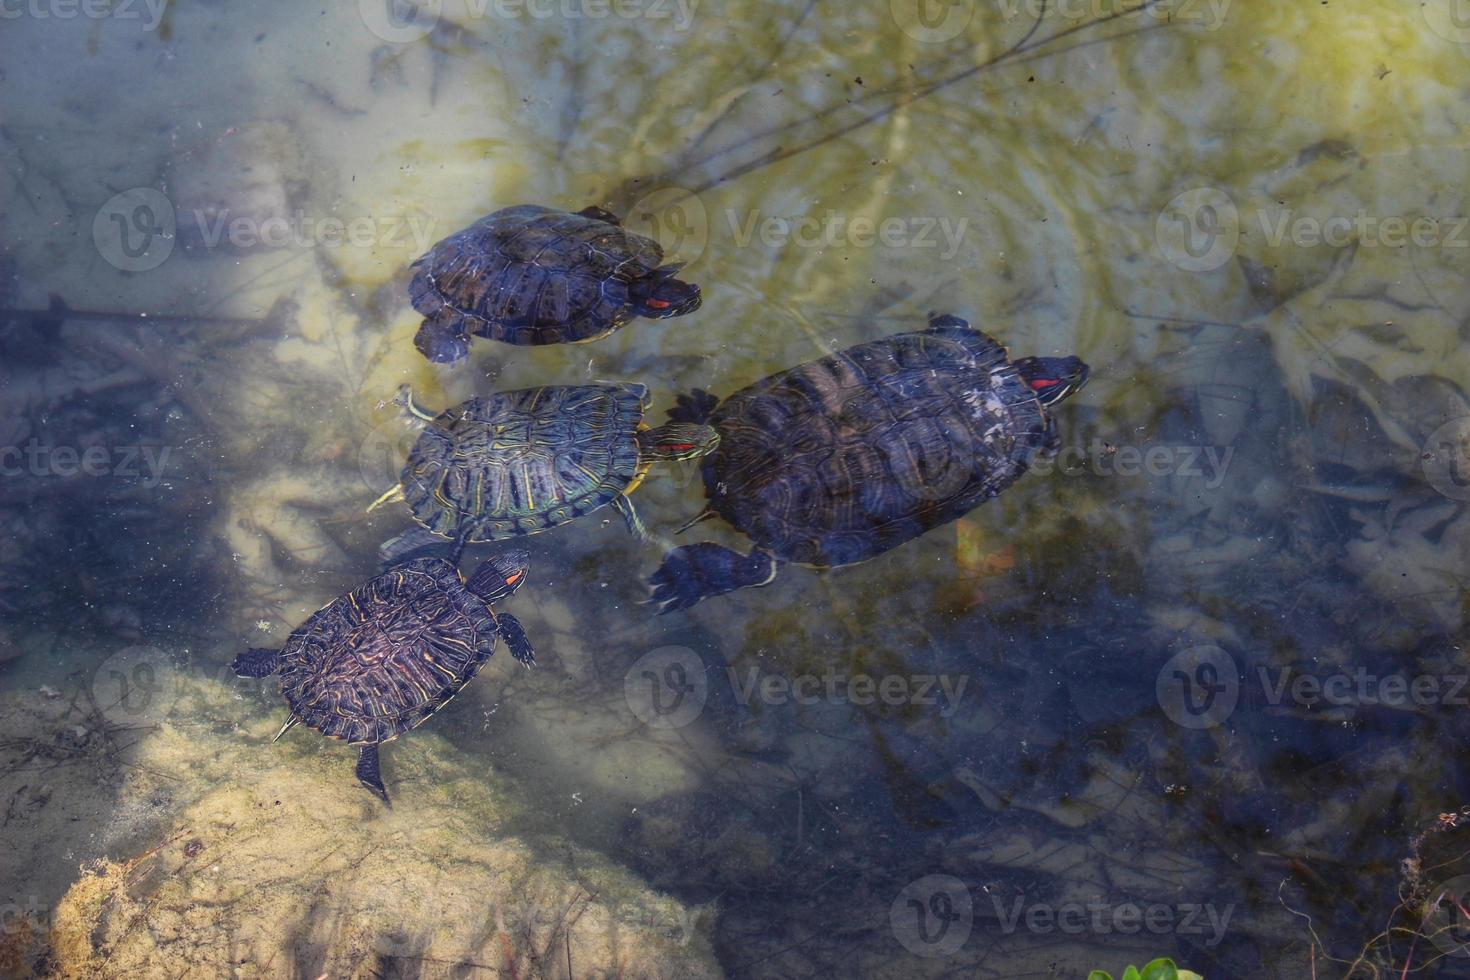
(413, 544)
(695, 572)
(947, 321)
(368, 773)
(256, 662)
(598, 214)
(442, 339)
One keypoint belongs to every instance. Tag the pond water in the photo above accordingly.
(1194, 687)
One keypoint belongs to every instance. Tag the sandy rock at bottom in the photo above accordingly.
(277, 863)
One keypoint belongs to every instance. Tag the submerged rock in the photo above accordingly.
(275, 862)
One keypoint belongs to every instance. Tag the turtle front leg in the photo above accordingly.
(695, 572)
(635, 523)
(368, 775)
(515, 639)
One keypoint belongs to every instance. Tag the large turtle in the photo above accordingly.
(520, 462)
(532, 275)
(370, 665)
(840, 459)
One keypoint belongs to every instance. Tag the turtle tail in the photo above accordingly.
(694, 408)
(696, 572)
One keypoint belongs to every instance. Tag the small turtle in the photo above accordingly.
(370, 665)
(520, 462)
(840, 459)
(531, 275)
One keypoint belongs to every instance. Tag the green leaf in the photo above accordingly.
(1160, 969)
(1131, 973)
(1099, 975)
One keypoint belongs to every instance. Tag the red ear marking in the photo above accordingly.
(514, 578)
(659, 304)
(1040, 383)
(682, 447)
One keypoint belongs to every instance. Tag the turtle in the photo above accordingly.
(378, 661)
(524, 461)
(843, 458)
(532, 275)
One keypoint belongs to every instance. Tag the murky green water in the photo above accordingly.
(1194, 688)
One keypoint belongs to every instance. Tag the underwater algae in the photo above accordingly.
(1057, 781)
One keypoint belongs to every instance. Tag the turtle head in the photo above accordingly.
(500, 576)
(659, 295)
(1052, 378)
(678, 440)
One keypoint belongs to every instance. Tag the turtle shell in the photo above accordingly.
(378, 661)
(519, 462)
(534, 275)
(840, 459)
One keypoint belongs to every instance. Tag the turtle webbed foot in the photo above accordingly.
(694, 407)
(368, 774)
(440, 342)
(515, 639)
(256, 662)
(696, 572)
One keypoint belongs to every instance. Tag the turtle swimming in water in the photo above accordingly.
(532, 275)
(838, 460)
(521, 462)
(378, 661)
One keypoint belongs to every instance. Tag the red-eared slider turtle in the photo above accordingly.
(843, 458)
(370, 665)
(531, 275)
(520, 462)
